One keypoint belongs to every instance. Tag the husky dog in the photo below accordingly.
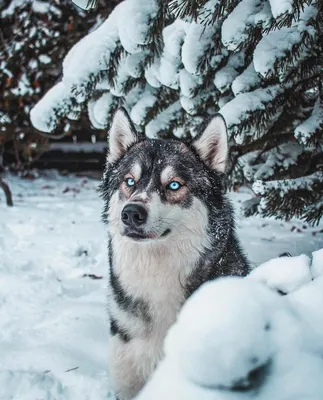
(170, 229)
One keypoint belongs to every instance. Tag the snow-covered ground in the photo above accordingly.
(53, 270)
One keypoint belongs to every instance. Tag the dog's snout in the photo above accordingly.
(134, 215)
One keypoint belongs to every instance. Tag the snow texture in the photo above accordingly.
(187, 104)
(317, 264)
(280, 7)
(188, 82)
(24, 87)
(44, 116)
(53, 322)
(285, 186)
(91, 54)
(99, 110)
(14, 4)
(224, 78)
(169, 63)
(285, 273)
(87, 62)
(44, 58)
(236, 338)
(162, 120)
(243, 105)
(41, 7)
(282, 157)
(226, 75)
(247, 15)
(246, 81)
(138, 111)
(305, 131)
(279, 43)
(197, 40)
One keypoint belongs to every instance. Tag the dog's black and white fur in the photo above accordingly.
(170, 229)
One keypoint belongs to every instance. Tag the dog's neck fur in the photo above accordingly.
(151, 270)
(156, 272)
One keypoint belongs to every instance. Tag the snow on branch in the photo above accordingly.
(285, 186)
(197, 40)
(280, 7)
(225, 76)
(84, 63)
(279, 159)
(239, 110)
(313, 212)
(163, 120)
(285, 47)
(99, 110)
(299, 197)
(166, 68)
(90, 59)
(305, 131)
(247, 81)
(248, 15)
(57, 103)
(145, 102)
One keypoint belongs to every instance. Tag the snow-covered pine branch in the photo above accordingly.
(258, 63)
(291, 195)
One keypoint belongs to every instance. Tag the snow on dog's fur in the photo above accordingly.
(170, 229)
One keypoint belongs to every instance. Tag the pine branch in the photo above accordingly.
(288, 198)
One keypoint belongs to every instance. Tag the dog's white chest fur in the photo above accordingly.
(155, 274)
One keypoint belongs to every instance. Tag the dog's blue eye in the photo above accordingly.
(130, 182)
(174, 185)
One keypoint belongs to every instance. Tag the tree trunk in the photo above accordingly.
(7, 192)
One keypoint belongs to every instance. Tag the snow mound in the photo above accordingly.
(234, 359)
(236, 338)
(284, 274)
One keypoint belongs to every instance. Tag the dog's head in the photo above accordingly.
(162, 190)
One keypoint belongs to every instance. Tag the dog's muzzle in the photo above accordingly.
(134, 217)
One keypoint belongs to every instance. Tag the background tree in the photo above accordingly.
(35, 36)
(258, 62)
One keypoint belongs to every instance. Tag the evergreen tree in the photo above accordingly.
(35, 36)
(258, 62)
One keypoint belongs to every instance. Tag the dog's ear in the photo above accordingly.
(212, 144)
(122, 135)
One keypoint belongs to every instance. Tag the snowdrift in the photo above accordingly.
(242, 338)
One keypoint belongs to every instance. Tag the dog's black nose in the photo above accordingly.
(134, 215)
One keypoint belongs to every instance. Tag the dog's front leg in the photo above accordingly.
(125, 368)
